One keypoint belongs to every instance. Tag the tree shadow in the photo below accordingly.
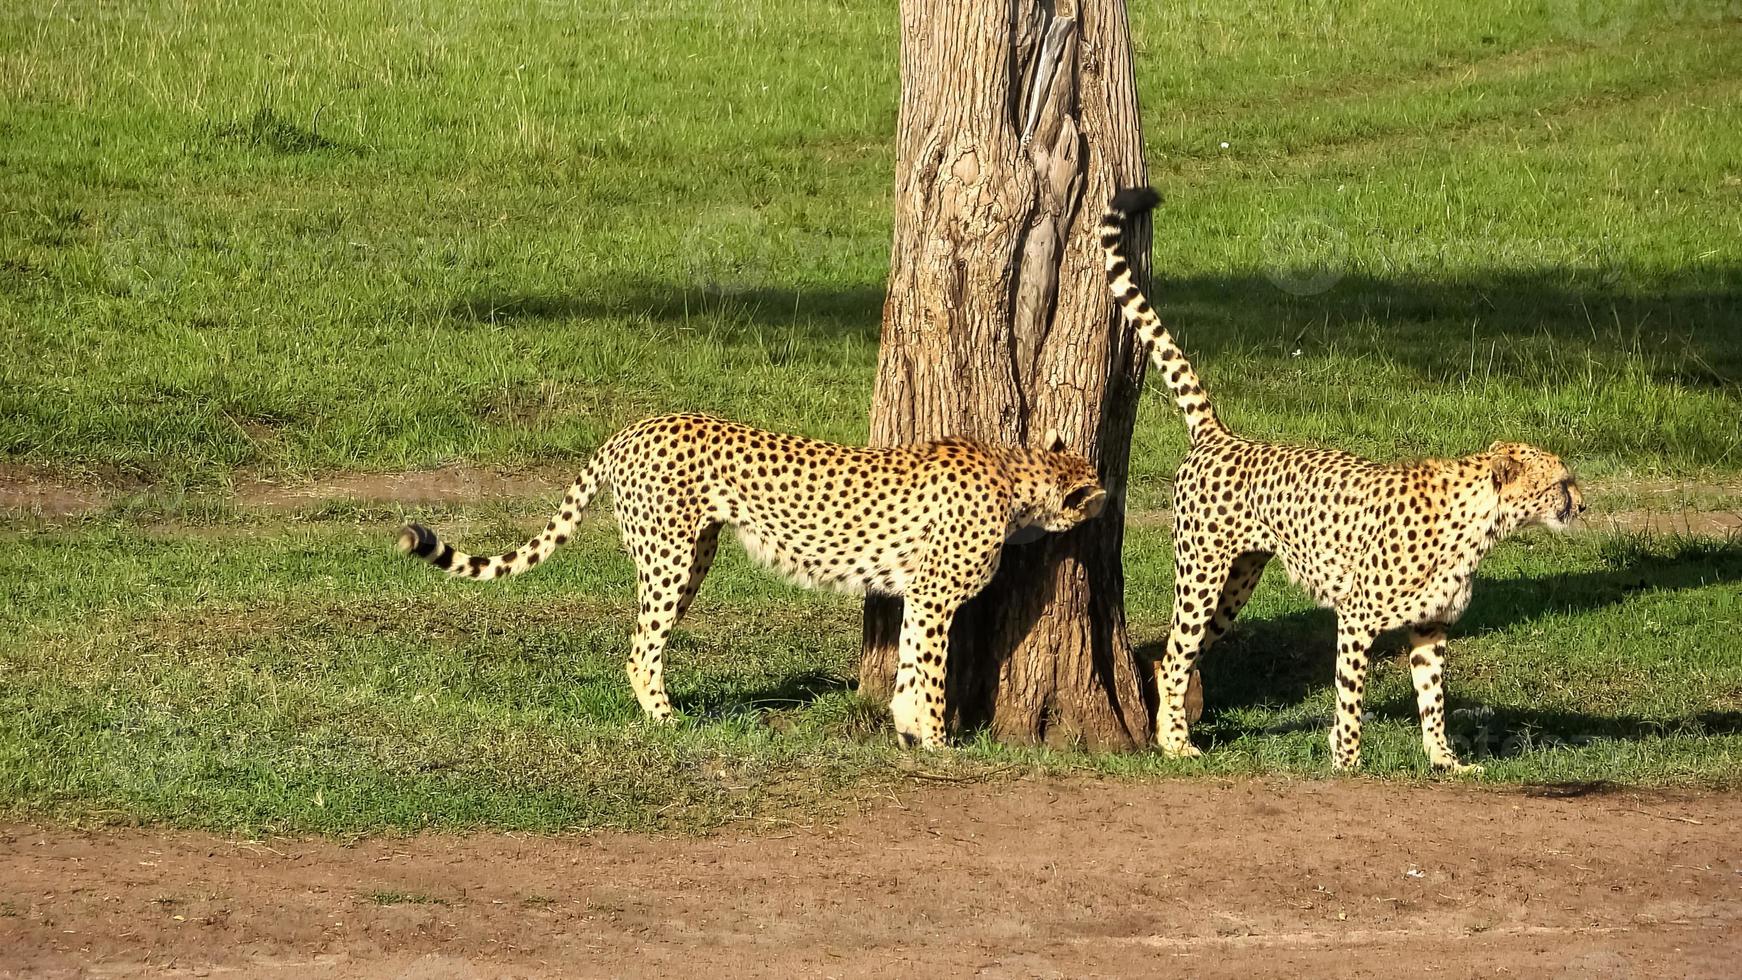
(1285, 659)
(850, 312)
(1510, 322)
(1524, 323)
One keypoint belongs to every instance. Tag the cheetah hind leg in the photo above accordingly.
(1242, 579)
(665, 587)
(1194, 605)
(1427, 655)
(918, 705)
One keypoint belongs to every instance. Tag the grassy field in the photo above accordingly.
(301, 675)
(312, 236)
(243, 241)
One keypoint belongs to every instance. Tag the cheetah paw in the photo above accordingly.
(1453, 767)
(928, 743)
(1183, 750)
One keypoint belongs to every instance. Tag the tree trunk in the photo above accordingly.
(1016, 126)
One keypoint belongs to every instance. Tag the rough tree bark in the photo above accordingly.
(1018, 121)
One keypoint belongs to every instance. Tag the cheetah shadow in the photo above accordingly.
(1286, 659)
(793, 692)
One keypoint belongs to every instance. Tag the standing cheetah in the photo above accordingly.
(1386, 546)
(926, 522)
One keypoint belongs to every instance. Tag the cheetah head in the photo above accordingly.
(1069, 492)
(1535, 486)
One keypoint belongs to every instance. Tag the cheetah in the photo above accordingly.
(1385, 546)
(925, 522)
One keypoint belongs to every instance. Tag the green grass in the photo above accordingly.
(305, 677)
(287, 239)
(251, 240)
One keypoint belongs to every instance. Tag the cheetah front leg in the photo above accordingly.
(1354, 641)
(1427, 658)
(918, 704)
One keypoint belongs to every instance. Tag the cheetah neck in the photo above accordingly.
(1477, 523)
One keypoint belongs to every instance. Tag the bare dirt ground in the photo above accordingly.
(32, 490)
(1335, 879)
(448, 485)
(1341, 878)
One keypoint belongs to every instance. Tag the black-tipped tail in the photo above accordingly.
(1188, 394)
(1134, 200)
(415, 539)
(418, 540)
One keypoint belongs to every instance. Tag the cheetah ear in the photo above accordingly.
(1497, 445)
(1506, 469)
(1053, 442)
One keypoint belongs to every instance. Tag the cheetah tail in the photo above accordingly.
(422, 542)
(1188, 393)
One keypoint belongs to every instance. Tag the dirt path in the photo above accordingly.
(1336, 879)
(30, 490)
(34, 490)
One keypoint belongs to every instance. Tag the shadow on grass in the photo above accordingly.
(852, 312)
(788, 693)
(1284, 659)
(1527, 323)
(1530, 323)
(1507, 732)
(1633, 564)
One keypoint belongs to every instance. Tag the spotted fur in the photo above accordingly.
(926, 522)
(1386, 546)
